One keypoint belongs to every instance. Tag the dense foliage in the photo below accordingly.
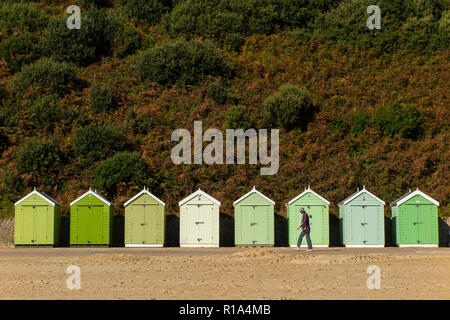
(97, 106)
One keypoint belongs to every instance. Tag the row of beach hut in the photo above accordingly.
(414, 218)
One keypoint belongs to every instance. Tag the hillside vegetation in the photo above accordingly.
(97, 106)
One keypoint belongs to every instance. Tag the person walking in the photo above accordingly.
(305, 230)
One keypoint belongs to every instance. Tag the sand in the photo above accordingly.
(224, 273)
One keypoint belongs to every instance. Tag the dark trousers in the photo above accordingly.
(308, 239)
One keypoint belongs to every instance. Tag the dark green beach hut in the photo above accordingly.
(91, 220)
(415, 220)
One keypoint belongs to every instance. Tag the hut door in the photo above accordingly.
(150, 224)
(96, 225)
(246, 223)
(136, 224)
(203, 224)
(41, 224)
(370, 224)
(83, 225)
(28, 224)
(411, 225)
(357, 229)
(259, 223)
(315, 215)
(424, 223)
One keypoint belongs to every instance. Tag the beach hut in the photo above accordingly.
(37, 218)
(91, 220)
(199, 220)
(144, 220)
(415, 220)
(362, 220)
(317, 208)
(254, 219)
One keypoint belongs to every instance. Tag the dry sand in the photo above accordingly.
(225, 273)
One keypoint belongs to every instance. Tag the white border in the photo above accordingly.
(305, 192)
(94, 194)
(51, 201)
(249, 193)
(199, 245)
(142, 192)
(196, 193)
(160, 245)
(360, 192)
(418, 245)
(364, 246)
(414, 193)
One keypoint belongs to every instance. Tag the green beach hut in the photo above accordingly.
(254, 219)
(317, 208)
(415, 220)
(144, 220)
(91, 220)
(362, 220)
(36, 220)
(199, 220)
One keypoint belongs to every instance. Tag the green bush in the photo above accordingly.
(17, 50)
(361, 120)
(220, 92)
(226, 21)
(123, 168)
(182, 62)
(237, 117)
(148, 11)
(83, 46)
(40, 159)
(95, 143)
(46, 111)
(46, 76)
(21, 17)
(101, 99)
(130, 42)
(411, 23)
(398, 119)
(289, 107)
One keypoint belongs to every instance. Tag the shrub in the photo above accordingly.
(148, 11)
(289, 107)
(413, 23)
(100, 98)
(40, 160)
(237, 117)
(130, 42)
(84, 46)
(46, 111)
(360, 121)
(398, 119)
(46, 76)
(17, 50)
(227, 21)
(219, 91)
(182, 62)
(97, 142)
(24, 17)
(123, 168)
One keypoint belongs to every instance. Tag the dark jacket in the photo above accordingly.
(305, 223)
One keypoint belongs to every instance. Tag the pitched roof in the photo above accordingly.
(95, 194)
(196, 193)
(411, 194)
(357, 193)
(251, 192)
(42, 195)
(141, 193)
(308, 191)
